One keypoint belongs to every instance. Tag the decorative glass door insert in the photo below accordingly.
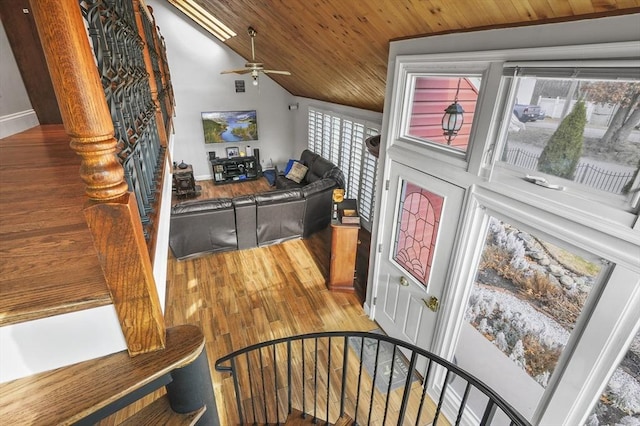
(417, 230)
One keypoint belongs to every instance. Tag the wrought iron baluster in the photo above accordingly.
(144, 190)
(289, 374)
(118, 48)
(373, 381)
(264, 389)
(441, 400)
(424, 391)
(345, 358)
(355, 419)
(407, 386)
(253, 406)
(463, 403)
(131, 177)
(236, 386)
(315, 380)
(386, 405)
(304, 380)
(275, 383)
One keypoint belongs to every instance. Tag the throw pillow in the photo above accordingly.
(297, 172)
(287, 169)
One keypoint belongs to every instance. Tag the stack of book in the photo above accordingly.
(348, 212)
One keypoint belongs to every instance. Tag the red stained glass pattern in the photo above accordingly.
(417, 231)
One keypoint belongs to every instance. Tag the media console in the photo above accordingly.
(236, 169)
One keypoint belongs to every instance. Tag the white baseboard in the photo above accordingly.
(17, 122)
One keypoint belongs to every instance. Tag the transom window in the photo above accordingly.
(432, 97)
(575, 128)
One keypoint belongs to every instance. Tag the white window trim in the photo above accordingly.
(605, 337)
(609, 232)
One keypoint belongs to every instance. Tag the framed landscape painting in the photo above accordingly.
(229, 126)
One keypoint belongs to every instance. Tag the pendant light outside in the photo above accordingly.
(453, 118)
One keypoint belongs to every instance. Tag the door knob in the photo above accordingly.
(404, 281)
(432, 303)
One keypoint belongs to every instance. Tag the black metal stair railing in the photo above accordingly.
(368, 378)
(118, 49)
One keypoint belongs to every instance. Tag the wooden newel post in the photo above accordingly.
(111, 212)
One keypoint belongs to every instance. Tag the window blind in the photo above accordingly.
(340, 139)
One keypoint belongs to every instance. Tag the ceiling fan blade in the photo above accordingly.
(238, 71)
(276, 72)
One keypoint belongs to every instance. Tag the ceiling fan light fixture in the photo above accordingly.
(204, 19)
(253, 67)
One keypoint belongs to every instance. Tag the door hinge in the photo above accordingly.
(375, 300)
(380, 248)
(386, 185)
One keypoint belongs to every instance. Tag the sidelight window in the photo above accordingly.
(524, 306)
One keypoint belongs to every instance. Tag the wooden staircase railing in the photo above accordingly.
(89, 391)
(111, 211)
(175, 359)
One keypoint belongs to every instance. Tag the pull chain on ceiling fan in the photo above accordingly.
(253, 67)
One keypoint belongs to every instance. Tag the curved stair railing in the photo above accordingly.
(357, 378)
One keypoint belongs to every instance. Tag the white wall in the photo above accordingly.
(16, 113)
(196, 58)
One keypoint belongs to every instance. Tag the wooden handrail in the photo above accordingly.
(111, 211)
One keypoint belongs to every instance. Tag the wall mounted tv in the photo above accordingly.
(229, 126)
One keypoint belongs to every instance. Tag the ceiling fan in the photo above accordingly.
(253, 67)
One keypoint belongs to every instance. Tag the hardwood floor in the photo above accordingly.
(244, 297)
(43, 230)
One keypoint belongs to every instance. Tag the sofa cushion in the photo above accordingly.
(308, 158)
(287, 168)
(279, 195)
(245, 209)
(318, 186)
(318, 196)
(202, 205)
(297, 172)
(204, 226)
(280, 221)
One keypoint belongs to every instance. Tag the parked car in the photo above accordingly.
(526, 113)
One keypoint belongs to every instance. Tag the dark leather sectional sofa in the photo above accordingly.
(293, 210)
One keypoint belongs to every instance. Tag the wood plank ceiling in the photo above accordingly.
(337, 50)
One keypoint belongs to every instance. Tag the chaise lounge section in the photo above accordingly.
(293, 210)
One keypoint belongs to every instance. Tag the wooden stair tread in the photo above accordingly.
(159, 412)
(66, 395)
(296, 419)
(344, 421)
(49, 265)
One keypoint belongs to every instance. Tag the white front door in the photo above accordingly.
(421, 218)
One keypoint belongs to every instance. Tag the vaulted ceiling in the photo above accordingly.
(337, 50)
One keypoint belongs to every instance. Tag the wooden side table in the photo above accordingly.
(344, 245)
